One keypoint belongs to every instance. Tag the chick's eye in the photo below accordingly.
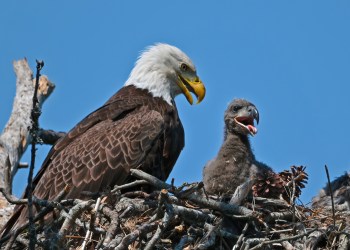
(236, 108)
(183, 67)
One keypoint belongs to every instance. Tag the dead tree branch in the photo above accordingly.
(15, 136)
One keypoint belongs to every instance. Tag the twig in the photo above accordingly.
(209, 238)
(267, 242)
(73, 214)
(113, 226)
(15, 136)
(193, 216)
(163, 195)
(331, 192)
(34, 133)
(88, 233)
(12, 199)
(287, 245)
(193, 188)
(286, 215)
(220, 206)
(50, 137)
(343, 242)
(240, 239)
(186, 239)
(271, 202)
(22, 165)
(241, 193)
(169, 214)
(39, 216)
(129, 185)
(131, 237)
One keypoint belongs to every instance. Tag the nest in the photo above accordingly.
(186, 218)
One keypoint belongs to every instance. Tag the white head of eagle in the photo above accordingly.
(165, 71)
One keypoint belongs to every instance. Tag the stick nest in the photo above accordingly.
(186, 218)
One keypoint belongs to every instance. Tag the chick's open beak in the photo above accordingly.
(195, 86)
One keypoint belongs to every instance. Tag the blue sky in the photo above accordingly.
(290, 58)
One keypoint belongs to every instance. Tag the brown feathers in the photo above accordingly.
(132, 130)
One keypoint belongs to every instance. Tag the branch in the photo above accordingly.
(50, 137)
(39, 216)
(267, 242)
(74, 212)
(241, 193)
(209, 238)
(128, 185)
(131, 237)
(92, 221)
(185, 240)
(35, 114)
(331, 193)
(220, 206)
(240, 239)
(169, 214)
(15, 136)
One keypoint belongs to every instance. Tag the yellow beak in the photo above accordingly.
(195, 86)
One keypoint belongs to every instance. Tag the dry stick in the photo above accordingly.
(128, 185)
(15, 137)
(39, 216)
(23, 165)
(209, 238)
(240, 239)
(131, 237)
(88, 233)
(220, 206)
(285, 215)
(186, 239)
(293, 201)
(241, 193)
(272, 202)
(267, 242)
(74, 212)
(192, 215)
(34, 133)
(169, 214)
(113, 226)
(343, 242)
(331, 192)
(12, 199)
(50, 137)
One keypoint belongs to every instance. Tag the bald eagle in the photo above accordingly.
(235, 162)
(138, 127)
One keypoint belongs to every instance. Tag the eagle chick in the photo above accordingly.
(235, 162)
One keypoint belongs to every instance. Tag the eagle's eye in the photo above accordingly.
(183, 67)
(236, 108)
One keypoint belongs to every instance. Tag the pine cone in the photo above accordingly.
(300, 178)
(268, 185)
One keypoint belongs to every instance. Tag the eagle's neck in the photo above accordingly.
(162, 91)
(157, 81)
(237, 146)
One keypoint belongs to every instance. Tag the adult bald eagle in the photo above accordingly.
(235, 162)
(138, 127)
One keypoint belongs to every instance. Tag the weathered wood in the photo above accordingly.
(15, 137)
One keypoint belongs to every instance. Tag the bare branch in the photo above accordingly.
(15, 136)
(35, 113)
(267, 242)
(220, 206)
(331, 193)
(50, 137)
(131, 238)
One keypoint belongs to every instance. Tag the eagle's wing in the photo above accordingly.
(102, 155)
(98, 157)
